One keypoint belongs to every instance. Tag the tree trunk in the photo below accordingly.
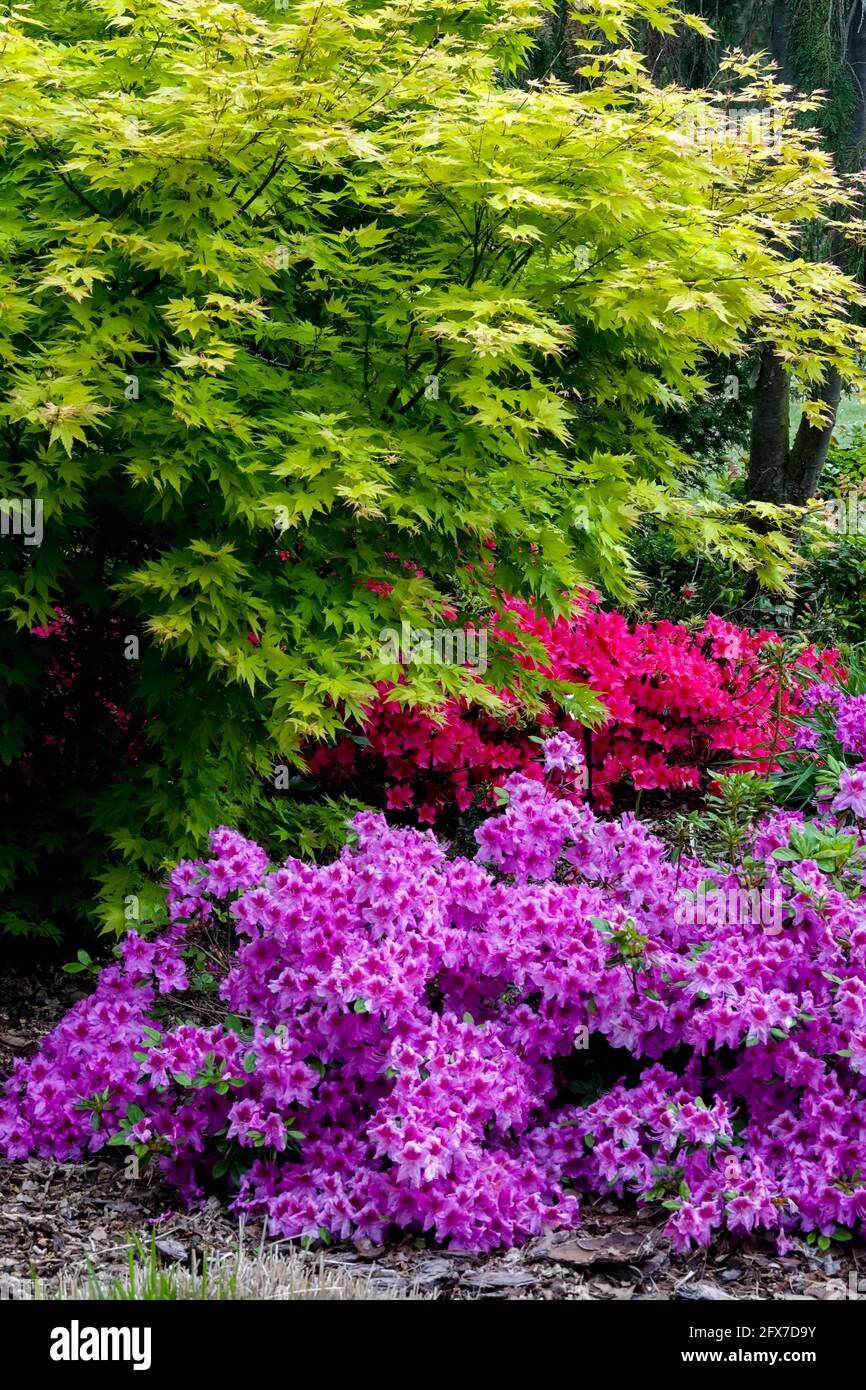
(771, 431)
(778, 39)
(857, 56)
(771, 403)
(794, 477)
(809, 451)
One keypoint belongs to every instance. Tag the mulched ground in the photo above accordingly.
(74, 1216)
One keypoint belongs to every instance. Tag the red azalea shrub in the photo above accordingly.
(410, 763)
(680, 701)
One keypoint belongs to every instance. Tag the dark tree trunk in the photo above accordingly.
(771, 403)
(778, 39)
(778, 473)
(771, 431)
(857, 58)
(809, 451)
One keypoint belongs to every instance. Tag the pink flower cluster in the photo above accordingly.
(851, 725)
(679, 700)
(405, 1026)
(831, 736)
(412, 763)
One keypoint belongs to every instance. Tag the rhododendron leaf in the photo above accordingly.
(800, 884)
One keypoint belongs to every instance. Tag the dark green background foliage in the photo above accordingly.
(829, 593)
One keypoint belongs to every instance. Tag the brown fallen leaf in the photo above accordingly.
(615, 1248)
(710, 1293)
(611, 1292)
(499, 1279)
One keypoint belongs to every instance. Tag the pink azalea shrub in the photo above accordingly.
(404, 1027)
(679, 700)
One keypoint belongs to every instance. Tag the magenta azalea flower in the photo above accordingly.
(852, 793)
(562, 752)
(806, 739)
